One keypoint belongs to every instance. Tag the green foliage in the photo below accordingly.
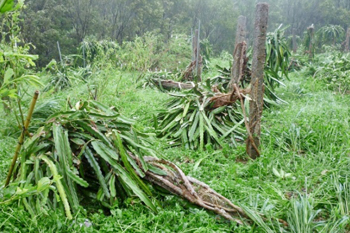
(206, 52)
(342, 190)
(330, 34)
(191, 121)
(142, 53)
(333, 70)
(70, 22)
(64, 75)
(276, 67)
(190, 118)
(45, 24)
(302, 215)
(15, 61)
(277, 62)
(99, 53)
(88, 147)
(7, 5)
(306, 138)
(150, 52)
(309, 42)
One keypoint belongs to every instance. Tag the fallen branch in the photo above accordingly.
(191, 189)
(170, 84)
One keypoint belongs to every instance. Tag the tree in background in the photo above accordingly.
(69, 21)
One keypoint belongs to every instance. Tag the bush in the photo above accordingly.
(150, 52)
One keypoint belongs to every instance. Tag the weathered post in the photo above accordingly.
(241, 29)
(347, 41)
(295, 46)
(239, 56)
(193, 71)
(194, 43)
(198, 56)
(310, 31)
(239, 52)
(196, 70)
(257, 80)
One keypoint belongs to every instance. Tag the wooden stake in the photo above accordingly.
(21, 138)
(257, 81)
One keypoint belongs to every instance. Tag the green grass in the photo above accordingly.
(308, 138)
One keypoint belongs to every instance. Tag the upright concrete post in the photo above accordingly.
(239, 52)
(295, 46)
(194, 45)
(198, 56)
(257, 80)
(347, 41)
(310, 31)
(241, 29)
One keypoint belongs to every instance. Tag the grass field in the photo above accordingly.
(301, 176)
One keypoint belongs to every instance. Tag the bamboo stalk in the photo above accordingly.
(21, 138)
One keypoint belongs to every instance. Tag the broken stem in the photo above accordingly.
(21, 138)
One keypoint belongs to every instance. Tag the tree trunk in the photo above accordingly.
(257, 81)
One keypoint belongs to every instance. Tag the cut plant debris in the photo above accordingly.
(200, 116)
(93, 154)
(209, 113)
